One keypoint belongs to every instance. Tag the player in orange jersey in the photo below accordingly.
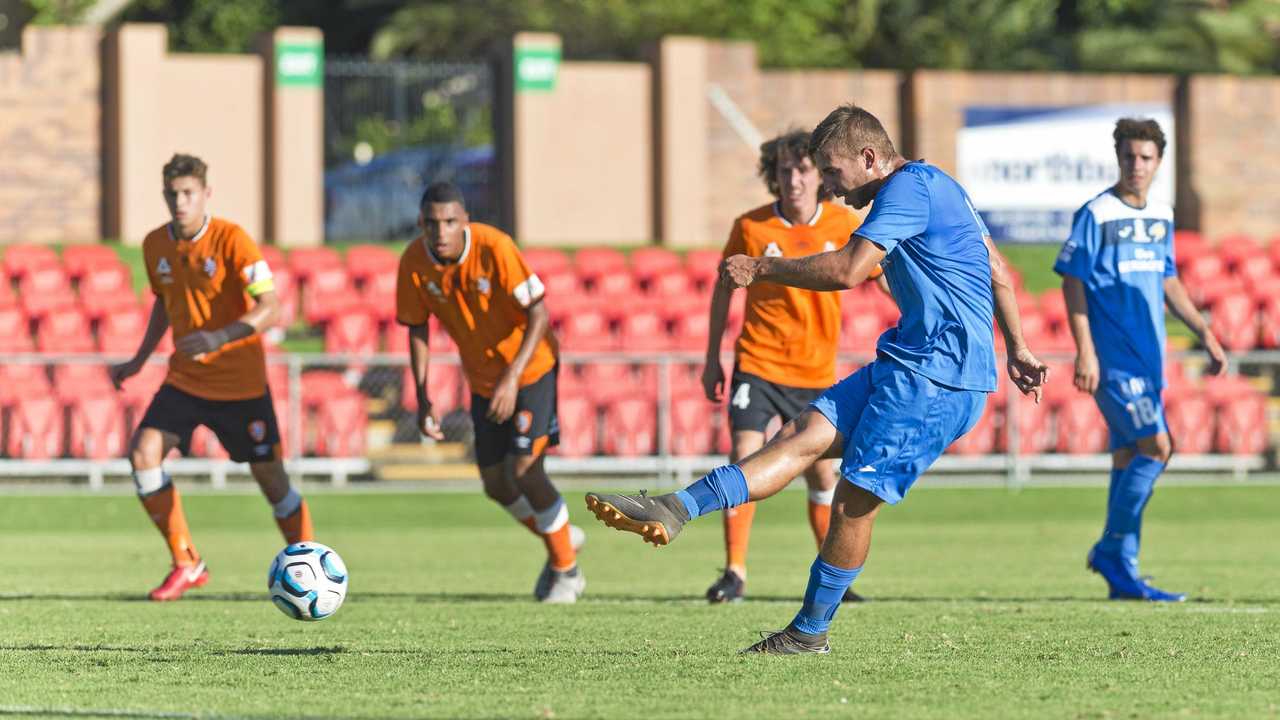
(215, 290)
(474, 280)
(786, 354)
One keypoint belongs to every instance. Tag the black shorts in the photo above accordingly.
(246, 428)
(532, 428)
(754, 401)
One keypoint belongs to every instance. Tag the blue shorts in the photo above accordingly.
(895, 424)
(1132, 407)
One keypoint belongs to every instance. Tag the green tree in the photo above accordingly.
(57, 12)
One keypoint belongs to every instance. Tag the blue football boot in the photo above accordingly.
(1123, 581)
(1155, 594)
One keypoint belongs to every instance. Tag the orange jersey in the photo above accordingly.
(789, 334)
(207, 283)
(482, 301)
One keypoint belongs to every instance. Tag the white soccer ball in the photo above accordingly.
(307, 581)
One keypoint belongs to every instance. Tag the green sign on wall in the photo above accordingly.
(536, 68)
(300, 64)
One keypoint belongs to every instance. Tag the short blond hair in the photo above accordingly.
(848, 129)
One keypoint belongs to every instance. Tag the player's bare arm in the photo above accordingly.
(1179, 303)
(419, 352)
(836, 270)
(503, 404)
(265, 311)
(712, 372)
(1026, 372)
(1086, 370)
(157, 326)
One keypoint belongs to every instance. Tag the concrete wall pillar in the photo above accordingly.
(293, 129)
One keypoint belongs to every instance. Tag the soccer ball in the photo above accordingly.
(307, 581)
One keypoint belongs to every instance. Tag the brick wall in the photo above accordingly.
(50, 146)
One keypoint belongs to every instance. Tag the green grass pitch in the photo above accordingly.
(982, 608)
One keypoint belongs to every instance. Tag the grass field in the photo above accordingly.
(981, 608)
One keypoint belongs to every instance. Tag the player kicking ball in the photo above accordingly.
(474, 280)
(891, 419)
(1118, 274)
(216, 292)
(786, 354)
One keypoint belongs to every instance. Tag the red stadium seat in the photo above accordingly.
(594, 262)
(644, 332)
(691, 331)
(620, 285)
(703, 268)
(121, 332)
(15, 331)
(22, 380)
(328, 293)
(439, 339)
(859, 332)
(673, 284)
(106, 291)
(1242, 425)
(650, 262)
(342, 427)
(1191, 421)
(561, 283)
(19, 260)
(64, 330)
(79, 260)
(1053, 306)
(692, 429)
(395, 339)
(1236, 249)
(204, 444)
(306, 261)
(578, 426)
(1036, 432)
(44, 289)
(286, 287)
(1081, 427)
(545, 261)
(320, 384)
(1264, 288)
(587, 331)
(1255, 268)
(73, 382)
(36, 429)
(1268, 320)
(354, 333)
(366, 261)
(97, 429)
(1235, 322)
(446, 388)
(605, 382)
(631, 427)
(280, 406)
(8, 298)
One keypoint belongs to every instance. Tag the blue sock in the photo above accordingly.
(827, 584)
(722, 488)
(1129, 496)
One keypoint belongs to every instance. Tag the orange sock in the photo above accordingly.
(737, 532)
(560, 550)
(819, 520)
(165, 508)
(296, 527)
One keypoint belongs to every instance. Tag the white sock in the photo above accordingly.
(553, 518)
(150, 481)
(521, 510)
(822, 497)
(288, 504)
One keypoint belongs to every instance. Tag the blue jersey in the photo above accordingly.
(938, 268)
(1122, 255)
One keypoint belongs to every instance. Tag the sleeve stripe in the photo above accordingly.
(264, 285)
(527, 292)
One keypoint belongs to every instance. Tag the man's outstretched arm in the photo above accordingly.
(836, 270)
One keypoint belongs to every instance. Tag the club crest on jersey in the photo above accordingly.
(1157, 230)
(524, 421)
(772, 250)
(164, 272)
(482, 285)
(210, 267)
(258, 430)
(434, 289)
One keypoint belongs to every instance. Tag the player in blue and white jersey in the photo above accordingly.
(1118, 274)
(889, 421)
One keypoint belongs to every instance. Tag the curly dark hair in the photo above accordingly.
(792, 145)
(1139, 129)
(181, 165)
